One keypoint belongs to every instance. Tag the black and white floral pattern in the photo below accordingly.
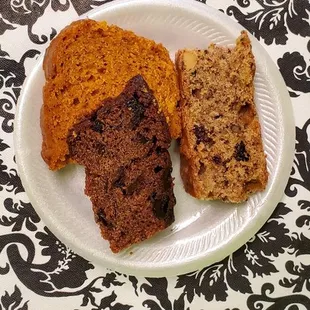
(296, 72)
(271, 271)
(274, 20)
(13, 301)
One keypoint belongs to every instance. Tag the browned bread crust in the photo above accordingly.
(222, 155)
(124, 147)
(90, 61)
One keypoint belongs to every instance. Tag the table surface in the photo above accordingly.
(271, 271)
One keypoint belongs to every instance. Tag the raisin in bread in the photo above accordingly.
(90, 61)
(222, 154)
(124, 147)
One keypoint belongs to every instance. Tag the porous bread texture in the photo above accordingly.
(222, 154)
(124, 147)
(90, 61)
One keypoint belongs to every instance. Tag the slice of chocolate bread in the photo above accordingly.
(124, 147)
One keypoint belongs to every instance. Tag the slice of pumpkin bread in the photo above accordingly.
(90, 61)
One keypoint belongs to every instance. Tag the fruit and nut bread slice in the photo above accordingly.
(222, 154)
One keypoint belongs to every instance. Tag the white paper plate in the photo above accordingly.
(203, 232)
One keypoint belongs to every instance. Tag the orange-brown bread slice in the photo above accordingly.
(90, 61)
(222, 155)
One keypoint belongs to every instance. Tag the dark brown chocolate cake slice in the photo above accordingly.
(124, 147)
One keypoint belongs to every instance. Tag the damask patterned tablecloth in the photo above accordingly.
(271, 271)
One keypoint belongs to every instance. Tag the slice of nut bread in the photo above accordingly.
(222, 154)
